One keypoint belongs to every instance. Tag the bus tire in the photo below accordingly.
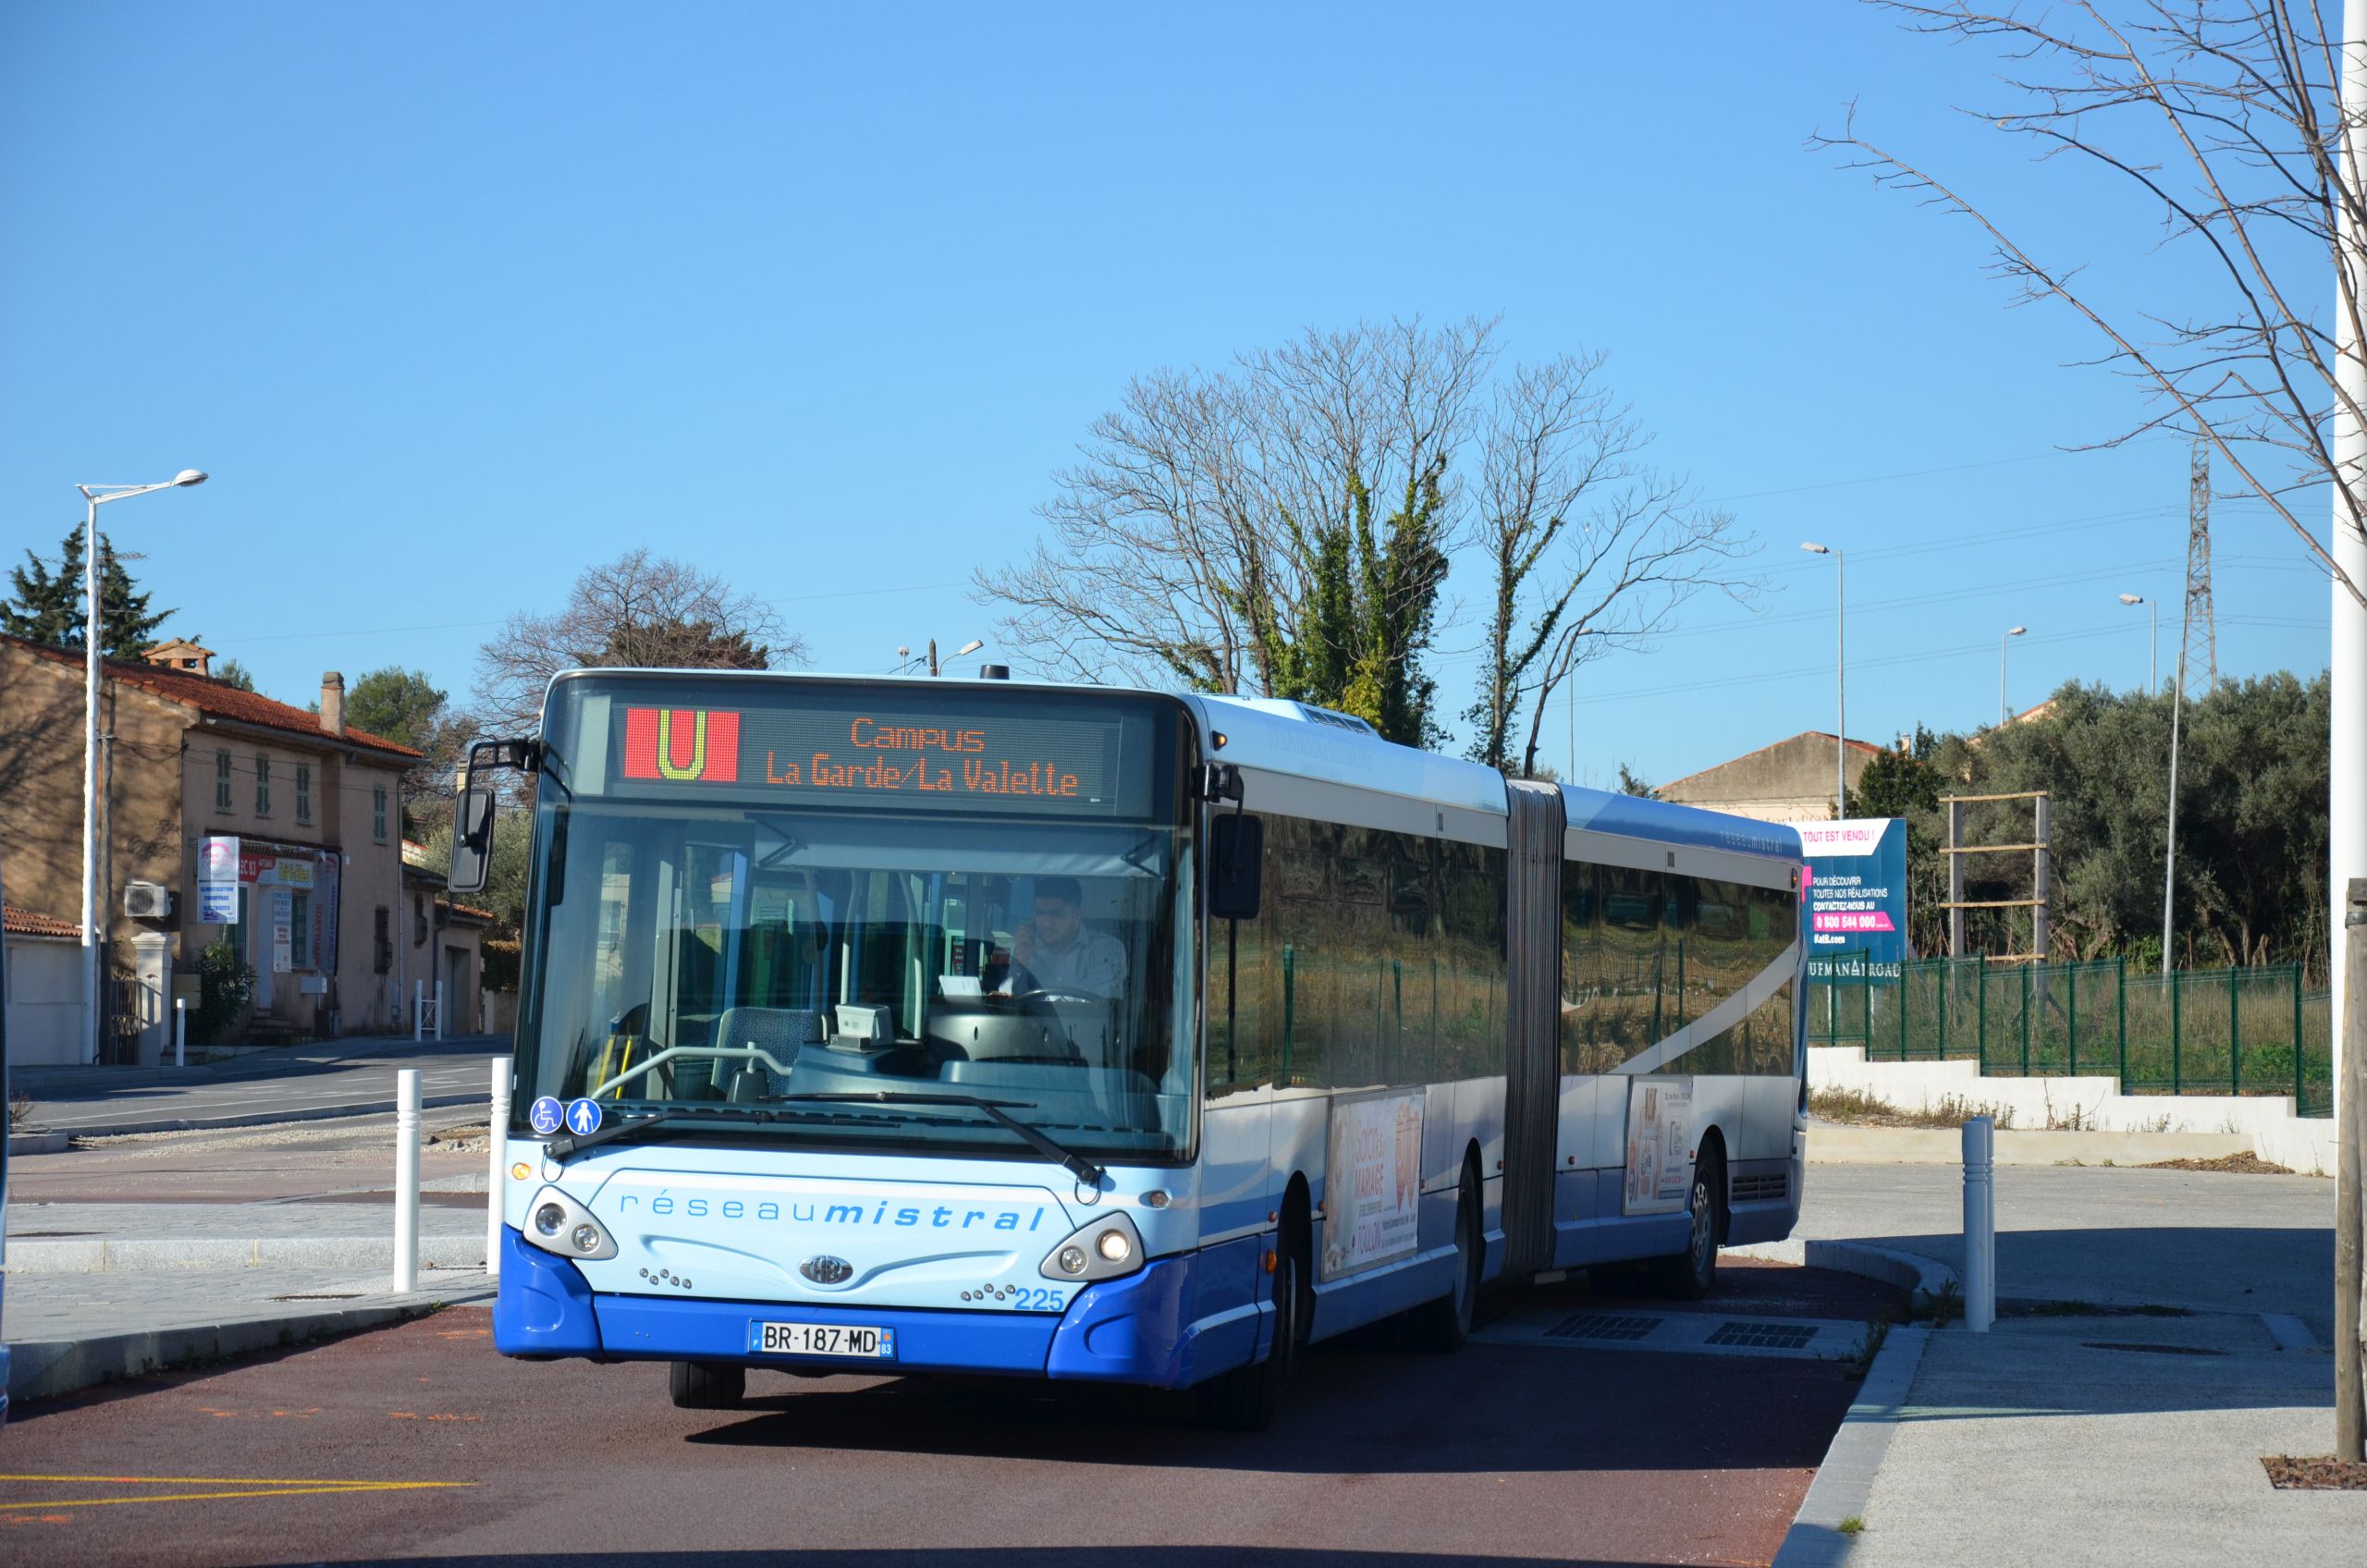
(707, 1385)
(1245, 1399)
(1692, 1274)
(1444, 1326)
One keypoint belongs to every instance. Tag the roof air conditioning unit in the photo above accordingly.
(147, 900)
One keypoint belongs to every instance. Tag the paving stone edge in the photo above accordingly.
(1847, 1475)
(46, 1368)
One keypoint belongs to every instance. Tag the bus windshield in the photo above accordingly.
(719, 942)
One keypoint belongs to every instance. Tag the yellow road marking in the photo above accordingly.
(228, 1497)
(235, 1481)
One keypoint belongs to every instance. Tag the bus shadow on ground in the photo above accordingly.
(1052, 1557)
(1352, 1412)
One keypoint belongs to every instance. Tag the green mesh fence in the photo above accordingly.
(2253, 1031)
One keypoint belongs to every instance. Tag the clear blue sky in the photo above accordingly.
(453, 301)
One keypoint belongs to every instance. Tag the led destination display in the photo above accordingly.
(869, 754)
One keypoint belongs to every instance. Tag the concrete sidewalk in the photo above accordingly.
(140, 1253)
(329, 1078)
(2076, 1434)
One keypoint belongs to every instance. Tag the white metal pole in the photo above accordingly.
(180, 1031)
(89, 1051)
(2170, 834)
(1840, 687)
(2002, 643)
(406, 1181)
(439, 1010)
(418, 998)
(2347, 823)
(496, 1129)
(2153, 649)
(1980, 1224)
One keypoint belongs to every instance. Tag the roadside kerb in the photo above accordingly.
(1924, 1280)
(261, 1119)
(1846, 1477)
(38, 1143)
(141, 1255)
(1839, 1143)
(45, 1368)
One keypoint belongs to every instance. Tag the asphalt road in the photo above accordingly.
(419, 1441)
(344, 1078)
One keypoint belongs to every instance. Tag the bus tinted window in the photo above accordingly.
(1644, 953)
(1378, 959)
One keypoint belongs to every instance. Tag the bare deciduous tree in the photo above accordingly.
(1590, 551)
(639, 610)
(1278, 527)
(2222, 119)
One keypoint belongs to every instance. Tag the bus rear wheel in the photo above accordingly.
(707, 1385)
(1245, 1399)
(1693, 1273)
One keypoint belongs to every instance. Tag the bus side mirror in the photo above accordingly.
(1236, 866)
(471, 840)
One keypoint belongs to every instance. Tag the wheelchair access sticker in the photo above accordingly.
(545, 1116)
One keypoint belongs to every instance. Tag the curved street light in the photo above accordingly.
(1840, 678)
(99, 496)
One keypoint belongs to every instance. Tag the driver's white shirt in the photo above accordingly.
(1095, 964)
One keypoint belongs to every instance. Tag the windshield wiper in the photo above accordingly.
(1035, 1138)
(570, 1143)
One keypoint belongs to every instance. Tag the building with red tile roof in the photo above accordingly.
(313, 803)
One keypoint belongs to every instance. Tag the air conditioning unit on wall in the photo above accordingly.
(147, 900)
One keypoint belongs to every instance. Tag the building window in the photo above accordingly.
(263, 784)
(221, 781)
(303, 792)
(384, 946)
(378, 814)
(299, 929)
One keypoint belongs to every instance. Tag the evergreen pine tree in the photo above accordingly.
(46, 606)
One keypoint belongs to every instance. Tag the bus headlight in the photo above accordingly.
(1103, 1250)
(557, 1223)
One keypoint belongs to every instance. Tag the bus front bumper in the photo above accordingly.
(1178, 1321)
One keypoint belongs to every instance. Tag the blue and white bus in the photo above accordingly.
(1085, 1033)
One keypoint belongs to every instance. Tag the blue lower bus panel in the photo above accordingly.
(1176, 1322)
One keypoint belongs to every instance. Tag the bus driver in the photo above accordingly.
(1053, 952)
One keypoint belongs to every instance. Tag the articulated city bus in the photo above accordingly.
(1084, 1033)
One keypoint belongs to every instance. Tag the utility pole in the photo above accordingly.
(2199, 636)
(2347, 822)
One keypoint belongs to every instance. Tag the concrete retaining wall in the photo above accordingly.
(2265, 1123)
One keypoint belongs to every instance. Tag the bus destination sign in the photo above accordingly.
(880, 756)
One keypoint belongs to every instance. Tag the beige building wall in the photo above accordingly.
(1789, 782)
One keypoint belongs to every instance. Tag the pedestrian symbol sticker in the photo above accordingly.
(544, 1116)
(583, 1116)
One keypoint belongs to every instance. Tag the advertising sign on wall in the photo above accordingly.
(217, 880)
(1372, 1181)
(1660, 1144)
(1855, 892)
(283, 931)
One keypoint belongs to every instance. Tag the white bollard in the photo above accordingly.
(181, 1029)
(497, 1129)
(418, 999)
(1980, 1224)
(406, 1181)
(439, 1010)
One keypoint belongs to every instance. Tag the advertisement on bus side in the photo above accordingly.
(1372, 1181)
(1660, 1144)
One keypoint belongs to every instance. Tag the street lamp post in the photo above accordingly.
(1840, 678)
(2153, 639)
(972, 646)
(98, 496)
(2003, 643)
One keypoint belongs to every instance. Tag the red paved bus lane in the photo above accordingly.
(419, 1442)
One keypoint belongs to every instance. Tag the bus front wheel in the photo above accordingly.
(707, 1385)
(1246, 1398)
